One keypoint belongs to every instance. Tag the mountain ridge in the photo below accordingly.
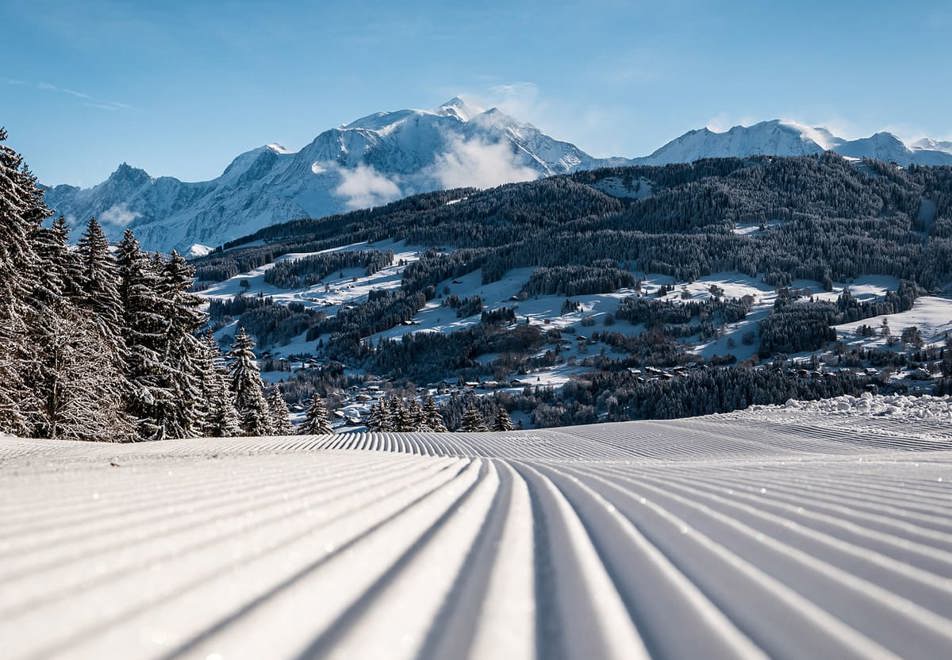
(385, 156)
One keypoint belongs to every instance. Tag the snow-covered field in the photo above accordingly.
(782, 532)
(333, 292)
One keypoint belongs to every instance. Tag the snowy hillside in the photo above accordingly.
(365, 163)
(787, 138)
(771, 533)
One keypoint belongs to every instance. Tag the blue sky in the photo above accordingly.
(180, 88)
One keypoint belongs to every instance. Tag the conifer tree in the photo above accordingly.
(473, 421)
(379, 419)
(21, 211)
(280, 417)
(316, 423)
(53, 269)
(99, 283)
(221, 418)
(150, 399)
(416, 415)
(247, 388)
(181, 348)
(432, 417)
(79, 385)
(502, 422)
(404, 416)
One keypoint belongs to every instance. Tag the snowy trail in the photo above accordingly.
(768, 533)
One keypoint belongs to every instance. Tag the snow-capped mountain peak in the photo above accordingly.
(928, 144)
(368, 162)
(387, 155)
(459, 108)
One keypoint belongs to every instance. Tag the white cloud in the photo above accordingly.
(479, 164)
(86, 99)
(363, 187)
(118, 214)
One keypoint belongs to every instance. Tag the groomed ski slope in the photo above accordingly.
(781, 533)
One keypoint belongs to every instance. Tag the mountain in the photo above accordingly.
(368, 162)
(928, 144)
(779, 137)
(389, 155)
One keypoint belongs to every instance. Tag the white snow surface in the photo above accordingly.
(782, 532)
(937, 408)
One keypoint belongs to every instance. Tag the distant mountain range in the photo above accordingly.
(388, 155)
(787, 138)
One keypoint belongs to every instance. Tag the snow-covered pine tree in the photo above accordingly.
(51, 277)
(280, 417)
(78, 384)
(182, 348)
(416, 414)
(316, 423)
(405, 418)
(473, 421)
(379, 419)
(99, 283)
(432, 417)
(70, 371)
(502, 421)
(21, 211)
(150, 399)
(72, 267)
(221, 418)
(247, 388)
(395, 408)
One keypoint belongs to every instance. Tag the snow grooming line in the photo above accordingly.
(774, 532)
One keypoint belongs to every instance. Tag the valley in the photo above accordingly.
(472, 312)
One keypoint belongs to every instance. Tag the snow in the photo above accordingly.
(199, 250)
(903, 407)
(784, 137)
(680, 539)
(747, 229)
(544, 311)
(931, 314)
(353, 287)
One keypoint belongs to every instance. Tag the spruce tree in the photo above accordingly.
(99, 283)
(316, 423)
(432, 417)
(182, 349)
(380, 419)
(21, 211)
(404, 417)
(280, 417)
(502, 422)
(247, 388)
(473, 421)
(150, 398)
(221, 418)
(78, 383)
(51, 279)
